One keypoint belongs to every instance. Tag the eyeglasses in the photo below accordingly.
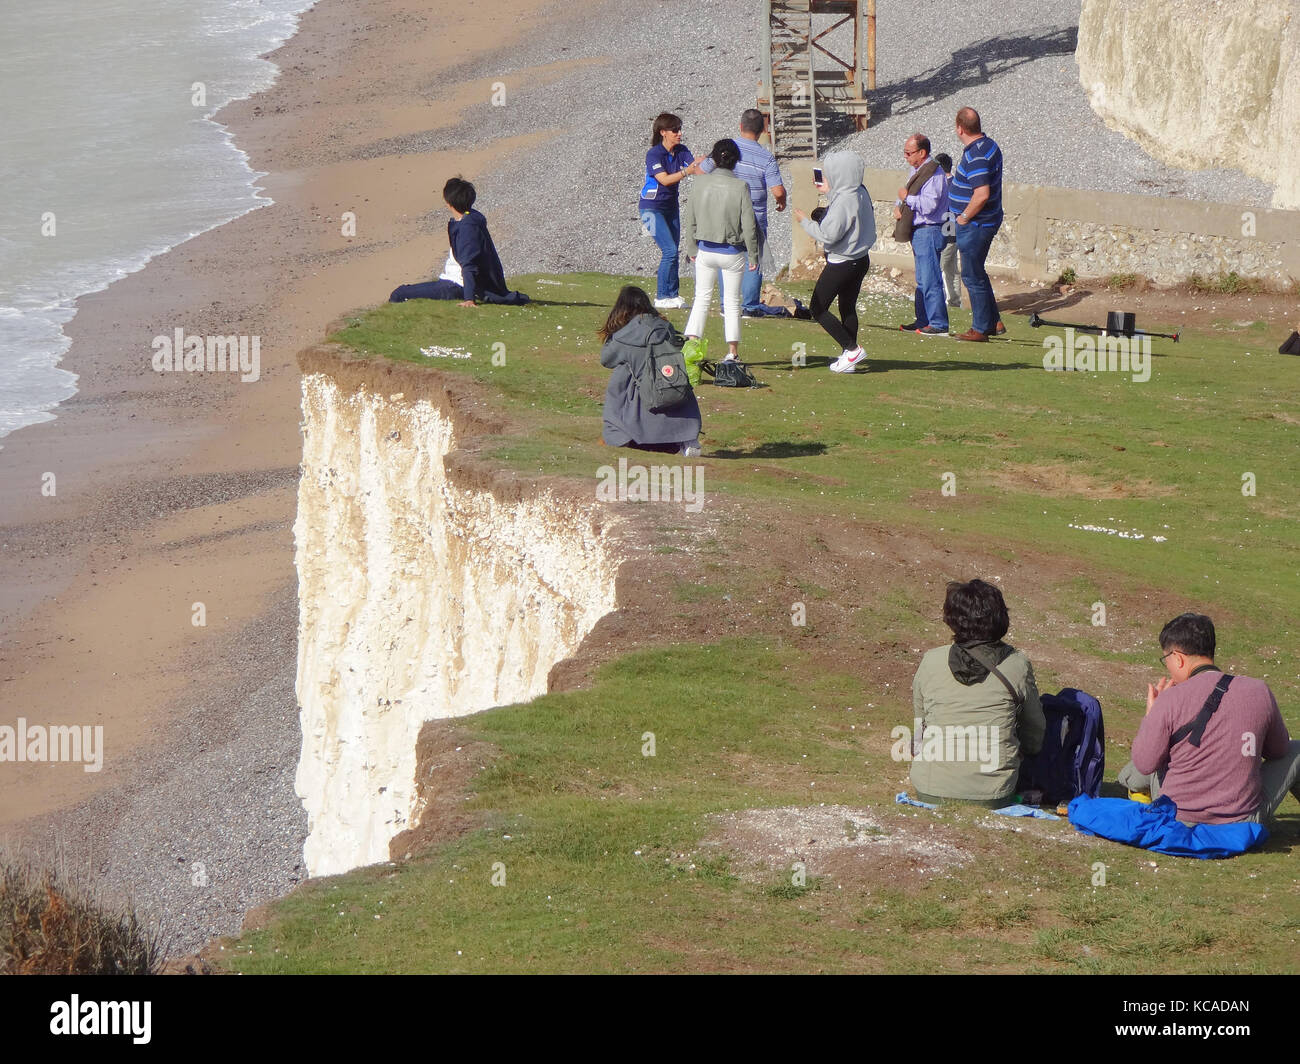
(1163, 656)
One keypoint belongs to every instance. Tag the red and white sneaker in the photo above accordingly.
(849, 361)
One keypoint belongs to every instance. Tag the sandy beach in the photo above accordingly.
(174, 489)
(175, 493)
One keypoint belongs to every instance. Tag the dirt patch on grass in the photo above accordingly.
(1058, 480)
(834, 840)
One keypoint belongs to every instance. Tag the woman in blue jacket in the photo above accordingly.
(667, 164)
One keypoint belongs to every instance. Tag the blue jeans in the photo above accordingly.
(751, 286)
(973, 243)
(931, 305)
(667, 231)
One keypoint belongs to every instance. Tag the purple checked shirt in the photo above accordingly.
(930, 203)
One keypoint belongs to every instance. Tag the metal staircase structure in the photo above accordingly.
(794, 90)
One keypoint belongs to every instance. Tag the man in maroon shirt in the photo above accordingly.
(1205, 733)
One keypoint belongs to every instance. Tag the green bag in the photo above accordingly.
(693, 353)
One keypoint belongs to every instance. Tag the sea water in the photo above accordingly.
(109, 155)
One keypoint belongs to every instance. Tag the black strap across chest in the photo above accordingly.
(1196, 729)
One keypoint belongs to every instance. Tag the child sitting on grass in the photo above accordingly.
(473, 271)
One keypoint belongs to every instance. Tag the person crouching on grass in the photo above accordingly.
(473, 269)
(632, 328)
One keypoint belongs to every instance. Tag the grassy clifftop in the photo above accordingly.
(845, 502)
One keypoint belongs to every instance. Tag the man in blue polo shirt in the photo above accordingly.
(758, 169)
(975, 197)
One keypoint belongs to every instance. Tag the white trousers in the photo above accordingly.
(707, 264)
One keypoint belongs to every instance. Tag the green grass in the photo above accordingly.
(1119, 282)
(1224, 284)
(761, 721)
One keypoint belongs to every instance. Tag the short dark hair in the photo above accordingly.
(976, 612)
(725, 154)
(459, 194)
(1189, 633)
(667, 121)
(968, 120)
(752, 121)
(922, 142)
(945, 162)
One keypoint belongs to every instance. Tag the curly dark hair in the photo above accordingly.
(976, 612)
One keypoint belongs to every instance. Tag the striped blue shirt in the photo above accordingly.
(981, 164)
(758, 169)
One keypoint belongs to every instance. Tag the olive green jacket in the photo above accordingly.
(721, 211)
(968, 739)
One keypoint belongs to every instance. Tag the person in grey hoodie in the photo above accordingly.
(847, 232)
(632, 327)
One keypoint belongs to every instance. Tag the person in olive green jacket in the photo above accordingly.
(720, 232)
(972, 725)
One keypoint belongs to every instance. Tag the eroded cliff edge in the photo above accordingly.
(1200, 83)
(429, 587)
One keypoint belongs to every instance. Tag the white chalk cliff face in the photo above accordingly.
(1200, 83)
(419, 598)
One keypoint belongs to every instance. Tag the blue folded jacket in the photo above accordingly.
(1156, 827)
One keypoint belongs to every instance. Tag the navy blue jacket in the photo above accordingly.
(472, 245)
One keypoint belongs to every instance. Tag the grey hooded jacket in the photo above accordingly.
(626, 418)
(849, 228)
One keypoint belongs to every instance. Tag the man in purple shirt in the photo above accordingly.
(929, 203)
(1205, 733)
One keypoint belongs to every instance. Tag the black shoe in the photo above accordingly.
(910, 328)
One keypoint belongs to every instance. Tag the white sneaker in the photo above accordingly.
(849, 361)
(730, 357)
(690, 450)
(676, 303)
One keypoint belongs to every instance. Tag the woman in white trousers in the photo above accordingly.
(720, 232)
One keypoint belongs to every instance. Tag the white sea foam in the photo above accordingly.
(105, 144)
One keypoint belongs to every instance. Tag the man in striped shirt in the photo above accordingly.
(975, 197)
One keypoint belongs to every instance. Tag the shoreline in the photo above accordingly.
(174, 489)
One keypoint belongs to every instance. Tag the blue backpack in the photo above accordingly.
(1073, 758)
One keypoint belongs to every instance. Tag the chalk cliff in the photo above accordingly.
(427, 588)
(1200, 83)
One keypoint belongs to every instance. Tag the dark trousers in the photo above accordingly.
(428, 290)
(842, 281)
(973, 241)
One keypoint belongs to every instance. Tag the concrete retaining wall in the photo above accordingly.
(1097, 233)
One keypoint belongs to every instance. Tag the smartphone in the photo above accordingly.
(817, 175)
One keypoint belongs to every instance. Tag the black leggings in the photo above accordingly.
(842, 280)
